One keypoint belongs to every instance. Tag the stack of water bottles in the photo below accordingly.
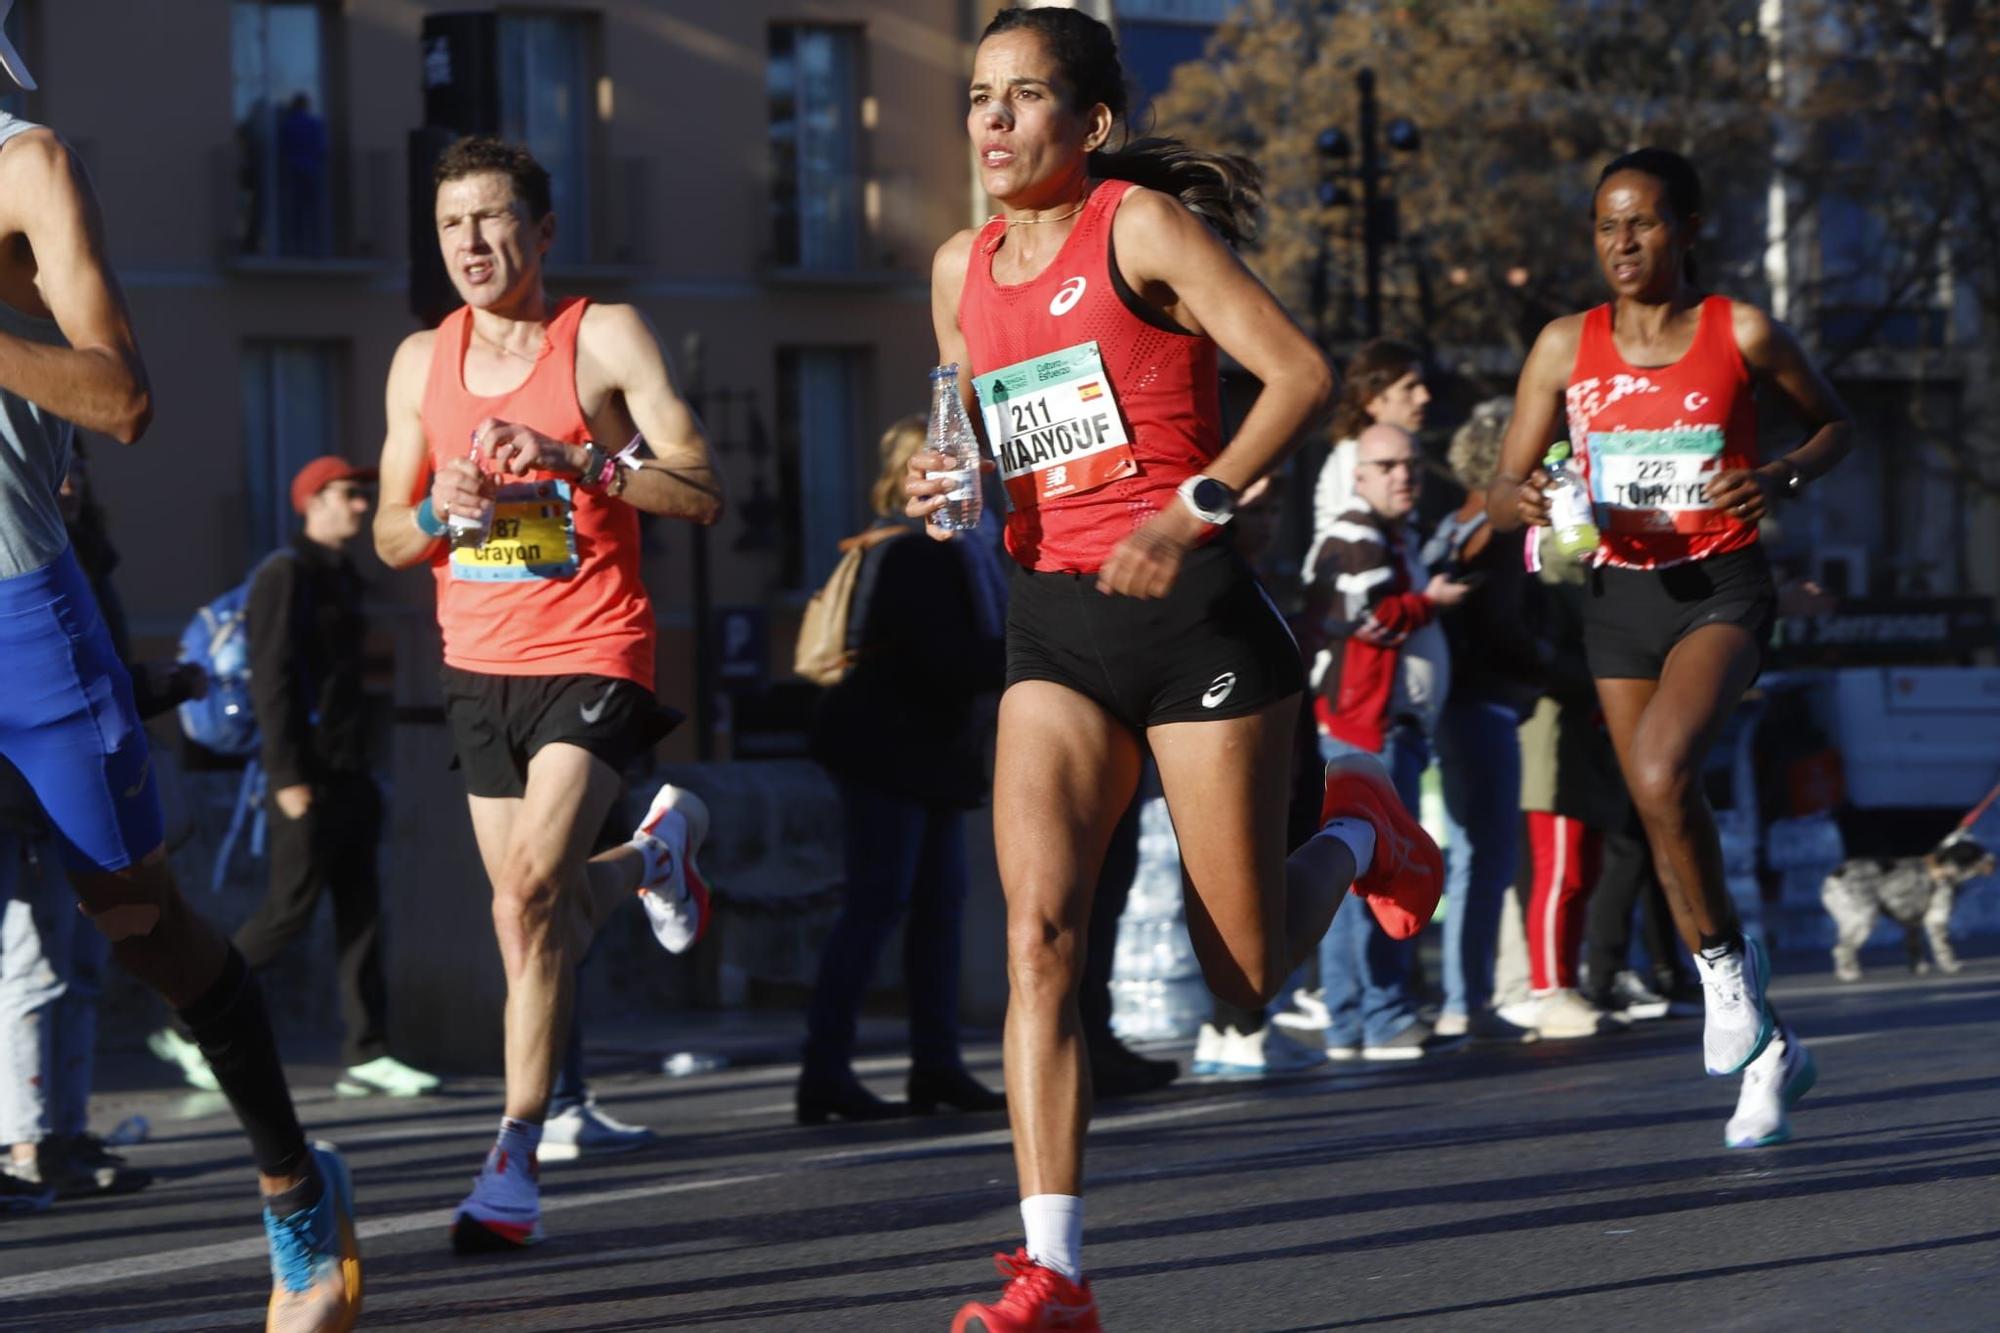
(1157, 992)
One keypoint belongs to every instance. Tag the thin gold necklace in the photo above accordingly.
(505, 350)
(1030, 222)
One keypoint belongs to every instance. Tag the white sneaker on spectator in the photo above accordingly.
(1265, 1053)
(1562, 1015)
(1307, 1014)
(1412, 1043)
(387, 1076)
(169, 1045)
(1738, 1025)
(1520, 1013)
(1490, 1025)
(588, 1131)
(1208, 1045)
(1451, 1025)
(1635, 999)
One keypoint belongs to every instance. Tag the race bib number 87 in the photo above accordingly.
(1054, 426)
(533, 537)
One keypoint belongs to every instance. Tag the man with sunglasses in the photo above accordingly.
(1378, 686)
(307, 637)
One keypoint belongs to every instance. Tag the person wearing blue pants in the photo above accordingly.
(1498, 664)
(1380, 682)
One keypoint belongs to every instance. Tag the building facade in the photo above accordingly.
(767, 182)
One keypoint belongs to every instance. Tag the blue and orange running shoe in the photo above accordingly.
(1403, 883)
(1035, 1300)
(504, 1210)
(315, 1258)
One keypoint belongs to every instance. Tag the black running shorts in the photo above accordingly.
(1213, 647)
(498, 723)
(1634, 617)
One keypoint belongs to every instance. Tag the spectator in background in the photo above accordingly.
(905, 735)
(307, 635)
(1384, 382)
(1379, 684)
(1497, 663)
(1571, 793)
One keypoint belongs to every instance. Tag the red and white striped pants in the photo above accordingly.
(1564, 855)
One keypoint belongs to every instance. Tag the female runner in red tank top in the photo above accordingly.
(1090, 312)
(1659, 387)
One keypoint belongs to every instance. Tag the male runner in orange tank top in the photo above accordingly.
(515, 414)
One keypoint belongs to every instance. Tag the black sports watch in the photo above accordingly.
(1208, 499)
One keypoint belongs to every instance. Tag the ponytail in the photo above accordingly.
(1222, 189)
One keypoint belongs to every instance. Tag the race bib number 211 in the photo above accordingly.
(1054, 426)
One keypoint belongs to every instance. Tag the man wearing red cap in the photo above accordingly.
(306, 636)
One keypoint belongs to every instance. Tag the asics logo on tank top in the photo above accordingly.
(1065, 299)
(1219, 689)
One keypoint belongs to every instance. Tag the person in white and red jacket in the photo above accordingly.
(1380, 676)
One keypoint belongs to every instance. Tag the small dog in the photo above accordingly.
(1914, 890)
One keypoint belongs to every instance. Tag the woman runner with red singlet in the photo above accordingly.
(1660, 386)
(1089, 314)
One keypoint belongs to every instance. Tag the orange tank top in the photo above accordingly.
(556, 589)
(1650, 438)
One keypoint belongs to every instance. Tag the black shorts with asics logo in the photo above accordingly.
(498, 723)
(1213, 647)
(1632, 618)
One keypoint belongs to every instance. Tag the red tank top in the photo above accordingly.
(1164, 381)
(1650, 439)
(556, 590)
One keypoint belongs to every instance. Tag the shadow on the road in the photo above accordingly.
(1658, 1280)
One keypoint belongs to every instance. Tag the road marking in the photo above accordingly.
(235, 1251)
(439, 1219)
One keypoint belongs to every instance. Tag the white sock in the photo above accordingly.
(1055, 1232)
(1358, 836)
(518, 1138)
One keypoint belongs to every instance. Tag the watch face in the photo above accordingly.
(1211, 496)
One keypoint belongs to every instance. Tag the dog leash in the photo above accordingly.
(1972, 816)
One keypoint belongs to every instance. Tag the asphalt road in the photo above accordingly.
(1560, 1186)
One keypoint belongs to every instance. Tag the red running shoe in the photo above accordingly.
(1405, 880)
(1035, 1299)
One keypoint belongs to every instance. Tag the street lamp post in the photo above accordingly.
(1378, 208)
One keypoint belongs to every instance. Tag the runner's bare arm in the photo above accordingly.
(1171, 258)
(406, 459)
(1776, 359)
(947, 281)
(1515, 497)
(98, 381)
(682, 478)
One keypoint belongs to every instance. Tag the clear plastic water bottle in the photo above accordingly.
(471, 529)
(950, 434)
(1571, 515)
